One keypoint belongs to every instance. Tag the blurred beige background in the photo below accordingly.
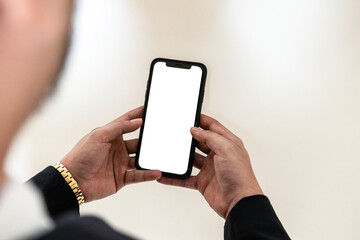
(283, 75)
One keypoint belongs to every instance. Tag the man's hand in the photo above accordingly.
(100, 162)
(226, 175)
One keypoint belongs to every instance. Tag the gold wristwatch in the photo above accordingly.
(71, 181)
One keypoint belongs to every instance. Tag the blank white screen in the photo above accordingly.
(171, 112)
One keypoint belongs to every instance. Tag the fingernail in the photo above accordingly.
(136, 120)
(196, 129)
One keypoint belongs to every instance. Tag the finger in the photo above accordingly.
(132, 114)
(137, 176)
(213, 140)
(198, 161)
(202, 147)
(131, 145)
(131, 164)
(209, 123)
(190, 182)
(114, 130)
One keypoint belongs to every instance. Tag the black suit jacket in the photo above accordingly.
(251, 218)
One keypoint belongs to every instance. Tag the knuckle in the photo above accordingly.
(95, 133)
(215, 122)
(228, 148)
(241, 143)
(144, 177)
(95, 130)
(99, 134)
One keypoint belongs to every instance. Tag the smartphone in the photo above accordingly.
(173, 100)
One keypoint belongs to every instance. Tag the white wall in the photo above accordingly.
(283, 75)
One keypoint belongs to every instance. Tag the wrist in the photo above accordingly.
(71, 182)
(73, 169)
(251, 191)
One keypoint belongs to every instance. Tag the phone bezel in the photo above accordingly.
(180, 64)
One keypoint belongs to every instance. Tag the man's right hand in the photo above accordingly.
(226, 175)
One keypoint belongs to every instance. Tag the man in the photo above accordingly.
(33, 43)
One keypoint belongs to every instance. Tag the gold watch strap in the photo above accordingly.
(71, 181)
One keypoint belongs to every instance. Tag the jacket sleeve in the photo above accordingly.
(254, 218)
(58, 195)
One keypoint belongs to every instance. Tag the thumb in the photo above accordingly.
(213, 140)
(114, 130)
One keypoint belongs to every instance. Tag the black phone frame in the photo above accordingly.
(179, 64)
